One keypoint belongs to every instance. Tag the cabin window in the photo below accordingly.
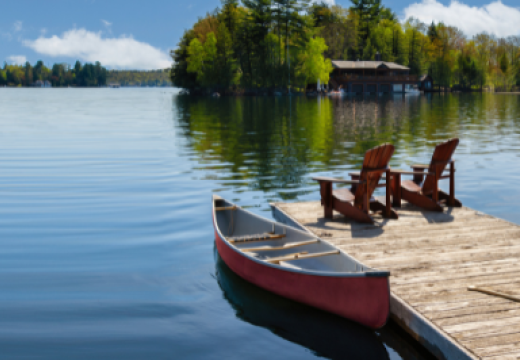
(357, 88)
(384, 88)
(398, 87)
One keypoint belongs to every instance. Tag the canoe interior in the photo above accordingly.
(240, 223)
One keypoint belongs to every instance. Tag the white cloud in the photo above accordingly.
(123, 52)
(17, 26)
(494, 18)
(17, 59)
(106, 23)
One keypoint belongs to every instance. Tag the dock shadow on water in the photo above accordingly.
(326, 335)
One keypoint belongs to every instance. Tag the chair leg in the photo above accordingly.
(326, 198)
(366, 200)
(396, 190)
(388, 193)
(354, 187)
(451, 200)
(435, 193)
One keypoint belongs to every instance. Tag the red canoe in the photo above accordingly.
(299, 266)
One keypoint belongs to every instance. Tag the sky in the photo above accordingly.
(134, 34)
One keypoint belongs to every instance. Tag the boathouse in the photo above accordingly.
(426, 83)
(371, 77)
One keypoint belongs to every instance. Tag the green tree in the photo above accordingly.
(259, 18)
(225, 58)
(179, 74)
(369, 14)
(38, 70)
(504, 64)
(314, 66)
(230, 16)
(29, 78)
(211, 59)
(414, 33)
(3, 77)
(196, 57)
(368, 51)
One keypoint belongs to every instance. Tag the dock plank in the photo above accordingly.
(433, 257)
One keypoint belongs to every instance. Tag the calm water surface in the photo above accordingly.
(106, 242)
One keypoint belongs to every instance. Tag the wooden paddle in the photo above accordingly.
(495, 293)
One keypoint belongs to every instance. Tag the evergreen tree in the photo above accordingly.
(504, 64)
(180, 75)
(226, 61)
(259, 17)
(368, 51)
(29, 79)
(432, 32)
(369, 14)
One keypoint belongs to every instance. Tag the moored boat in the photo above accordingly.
(327, 335)
(299, 266)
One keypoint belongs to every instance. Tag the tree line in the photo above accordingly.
(141, 78)
(59, 75)
(277, 44)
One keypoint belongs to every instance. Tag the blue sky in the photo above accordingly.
(139, 34)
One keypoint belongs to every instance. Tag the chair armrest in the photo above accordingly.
(334, 180)
(426, 166)
(358, 174)
(399, 171)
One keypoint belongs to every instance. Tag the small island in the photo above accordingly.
(60, 75)
(79, 75)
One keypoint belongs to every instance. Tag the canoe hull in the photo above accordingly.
(363, 299)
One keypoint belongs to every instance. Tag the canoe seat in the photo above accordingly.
(283, 247)
(254, 237)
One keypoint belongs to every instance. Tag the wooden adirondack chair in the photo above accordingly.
(357, 205)
(427, 194)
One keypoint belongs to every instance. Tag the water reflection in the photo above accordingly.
(271, 145)
(325, 334)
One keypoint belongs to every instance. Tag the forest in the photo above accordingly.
(141, 78)
(60, 75)
(280, 44)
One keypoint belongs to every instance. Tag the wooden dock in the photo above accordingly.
(433, 258)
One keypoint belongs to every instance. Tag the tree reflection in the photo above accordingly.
(272, 143)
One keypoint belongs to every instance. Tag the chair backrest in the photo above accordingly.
(441, 157)
(375, 159)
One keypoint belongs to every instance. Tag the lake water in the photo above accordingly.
(106, 242)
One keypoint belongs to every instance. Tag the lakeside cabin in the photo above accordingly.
(372, 77)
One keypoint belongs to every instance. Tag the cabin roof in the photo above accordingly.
(424, 77)
(372, 65)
